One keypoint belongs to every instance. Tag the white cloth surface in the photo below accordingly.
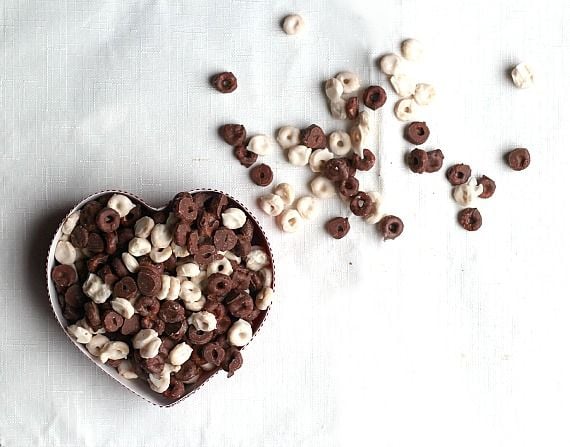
(442, 337)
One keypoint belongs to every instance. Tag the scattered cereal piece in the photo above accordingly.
(261, 174)
(286, 192)
(488, 186)
(339, 143)
(466, 193)
(338, 227)
(271, 204)
(458, 174)
(260, 145)
(224, 82)
(349, 80)
(293, 24)
(391, 227)
(416, 132)
(518, 159)
(374, 97)
(391, 64)
(470, 219)
(299, 155)
(288, 136)
(523, 76)
(405, 109)
(412, 49)
(424, 94)
(290, 221)
(308, 207)
(403, 85)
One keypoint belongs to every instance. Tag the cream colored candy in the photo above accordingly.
(114, 350)
(267, 276)
(96, 344)
(288, 136)
(403, 85)
(121, 204)
(318, 159)
(523, 76)
(159, 383)
(179, 354)
(230, 256)
(466, 193)
(333, 89)
(178, 251)
(299, 155)
(293, 24)
(338, 109)
(195, 306)
(159, 255)
(350, 82)
(391, 64)
(256, 260)
(405, 109)
(233, 218)
(424, 94)
(147, 342)
(339, 143)
(376, 214)
(223, 266)
(240, 333)
(308, 207)
(139, 247)
(127, 370)
(260, 145)
(130, 262)
(286, 192)
(271, 204)
(123, 307)
(322, 187)
(79, 334)
(290, 221)
(143, 227)
(412, 49)
(96, 289)
(190, 292)
(189, 270)
(65, 253)
(203, 321)
(161, 236)
(70, 223)
(263, 298)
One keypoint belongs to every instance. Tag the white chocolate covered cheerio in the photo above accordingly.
(127, 370)
(413, 50)
(308, 207)
(391, 64)
(318, 159)
(139, 247)
(405, 109)
(523, 76)
(338, 109)
(179, 354)
(349, 80)
(233, 218)
(123, 307)
(65, 252)
(466, 193)
(263, 298)
(96, 289)
(260, 145)
(96, 344)
(322, 187)
(114, 350)
(223, 266)
(71, 222)
(424, 94)
(195, 306)
(189, 270)
(159, 383)
(271, 204)
(147, 342)
(288, 136)
(376, 213)
(161, 235)
(143, 227)
(293, 24)
(299, 155)
(256, 259)
(339, 143)
(121, 204)
(79, 334)
(159, 255)
(403, 85)
(286, 192)
(290, 221)
(190, 292)
(240, 333)
(130, 262)
(203, 321)
(333, 89)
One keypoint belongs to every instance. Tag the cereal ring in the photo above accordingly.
(96, 261)
(290, 221)
(218, 285)
(391, 64)
(233, 134)
(293, 24)
(376, 213)
(361, 204)
(92, 315)
(470, 219)
(131, 325)
(435, 160)
(112, 321)
(224, 239)
(224, 82)
(523, 76)
(307, 207)
(350, 82)
(364, 163)
(405, 109)
(286, 192)
(186, 210)
(333, 89)
(374, 97)
(223, 266)
(339, 143)
(336, 169)
(313, 137)
(63, 276)
(418, 161)
(299, 155)
(318, 159)
(403, 85)
(207, 224)
(149, 281)
(391, 227)
(288, 136)
(416, 132)
(349, 187)
(518, 159)
(139, 247)
(213, 353)
(95, 243)
(206, 254)
(176, 331)
(261, 174)
(271, 204)
(488, 186)
(189, 372)
(246, 158)
(79, 236)
(338, 109)
(175, 389)
(232, 361)
(458, 174)
(241, 305)
(338, 227)
(259, 144)
(111, 242)
(351, 107)
(466, 193)
(147, 306)
(322, 187)
(243, 246)
(412, 49)
(240, 278)
(171, 312)
(124, 235)
(121, 204)
(132, 216)
(424, 94)
(107, 220)
(199, 337)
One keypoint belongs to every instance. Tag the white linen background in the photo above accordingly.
(440, 338)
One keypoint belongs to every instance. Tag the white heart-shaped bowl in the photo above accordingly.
(138, 386)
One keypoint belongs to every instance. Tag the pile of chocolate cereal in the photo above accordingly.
(163, 296)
